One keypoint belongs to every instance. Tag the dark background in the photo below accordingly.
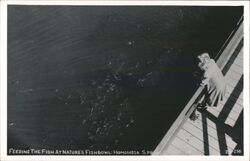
(104, 78)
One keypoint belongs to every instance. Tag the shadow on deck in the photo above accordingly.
(235, 132)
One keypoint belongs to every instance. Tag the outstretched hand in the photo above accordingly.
(202, 84)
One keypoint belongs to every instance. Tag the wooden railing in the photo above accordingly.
(221, 58)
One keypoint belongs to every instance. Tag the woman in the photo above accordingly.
(213, 81)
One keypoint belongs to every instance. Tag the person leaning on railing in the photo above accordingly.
(213, 81)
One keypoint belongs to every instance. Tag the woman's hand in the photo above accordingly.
(204, 82)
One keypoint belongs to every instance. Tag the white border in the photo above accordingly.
(246, 78)
(3, 81)
(128, 3)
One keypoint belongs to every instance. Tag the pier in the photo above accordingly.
(217, 131)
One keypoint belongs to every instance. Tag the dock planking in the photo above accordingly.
(186, 147)
(174, 151)
(195, 141)
(196, 128)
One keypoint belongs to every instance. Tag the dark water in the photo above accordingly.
(104, 78)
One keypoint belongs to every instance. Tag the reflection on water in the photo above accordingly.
(104, 78)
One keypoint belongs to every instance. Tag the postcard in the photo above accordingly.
(140, 80)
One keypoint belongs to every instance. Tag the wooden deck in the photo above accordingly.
(217, 131)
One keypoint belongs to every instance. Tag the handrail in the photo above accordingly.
(221, 58)
(229, 38)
